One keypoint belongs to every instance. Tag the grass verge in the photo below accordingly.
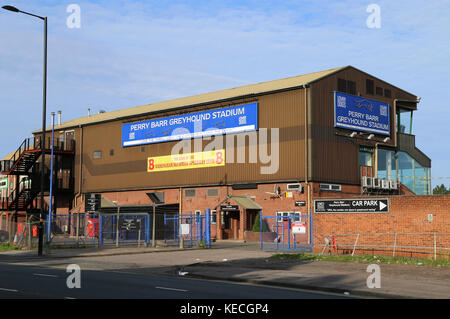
(7, 246)
(366, 259)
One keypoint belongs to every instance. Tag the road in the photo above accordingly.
(43, 281)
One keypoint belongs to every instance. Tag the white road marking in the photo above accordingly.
(10, 290)
(45, 275)
(69, 298)
(165, 288)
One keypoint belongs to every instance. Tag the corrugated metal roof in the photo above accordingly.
(211, 97)
(8, 157)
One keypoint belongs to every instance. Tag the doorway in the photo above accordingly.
(231, 224)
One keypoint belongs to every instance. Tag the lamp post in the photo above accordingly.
(44, 107)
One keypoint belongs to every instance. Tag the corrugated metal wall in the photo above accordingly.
(336, 158)
(126, 168)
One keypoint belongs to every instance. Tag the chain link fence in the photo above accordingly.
(417, 245)
(24, 234)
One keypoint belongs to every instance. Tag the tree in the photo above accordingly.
(441, 190)
(257, 224)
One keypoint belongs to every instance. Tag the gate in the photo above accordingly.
(85, 229)
(124, 229)
(193, 229)
(72, 230)
(289, 231)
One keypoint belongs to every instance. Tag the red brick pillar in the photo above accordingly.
(243, 222)
(219, 225)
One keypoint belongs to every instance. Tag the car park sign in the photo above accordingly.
(357, 205)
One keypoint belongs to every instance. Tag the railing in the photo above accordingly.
(14, 195)
(32, 144)
(432, 245)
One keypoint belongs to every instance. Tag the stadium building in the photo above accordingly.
(270, 147)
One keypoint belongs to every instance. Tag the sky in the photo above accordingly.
(130, 53)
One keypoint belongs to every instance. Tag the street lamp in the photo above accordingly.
(44, 107)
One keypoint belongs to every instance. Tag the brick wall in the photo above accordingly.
(407, 214)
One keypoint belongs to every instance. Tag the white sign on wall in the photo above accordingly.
(185, 229)
(299, 228)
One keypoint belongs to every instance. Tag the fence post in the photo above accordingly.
(395, 245)
(154, 227)
(139, 234)
(276, 218)
(100, 229)
(311, 230)
(147, 230)
(117, 226)
(78, 229)
(434, 246)
(10, 229)
(208, 228)
(261, 230)
(49, 227)
(354, 246)
(28, 223)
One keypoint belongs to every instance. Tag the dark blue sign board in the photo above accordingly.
(361, 114)
(236, 119)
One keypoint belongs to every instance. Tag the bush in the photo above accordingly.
(257, 224)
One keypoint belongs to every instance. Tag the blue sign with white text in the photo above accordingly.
(236, 119)
(361, 114)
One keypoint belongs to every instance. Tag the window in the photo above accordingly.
(347, 86)
(365, 156)
(406, 169)
(342, 85)
(213, 217)
(97, 154)
(379, 91)
(111, 153)
(404, 121)
(189, 193)
(351, 87)
(387, 93)
(284, 216)
(386, 164)
(330, 187)
(369, 86)
(212, 192)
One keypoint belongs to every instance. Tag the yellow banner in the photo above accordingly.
(186, 161)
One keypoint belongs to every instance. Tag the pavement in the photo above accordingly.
(245, 263)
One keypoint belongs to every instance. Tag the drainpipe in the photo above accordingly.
(308, 201)
(306, 149)
(80, 180)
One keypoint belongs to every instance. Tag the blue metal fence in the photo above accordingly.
(99, 230)
(281, 234)
(194, 229)
(124, 229)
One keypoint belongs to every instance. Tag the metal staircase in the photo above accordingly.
(25, 164)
